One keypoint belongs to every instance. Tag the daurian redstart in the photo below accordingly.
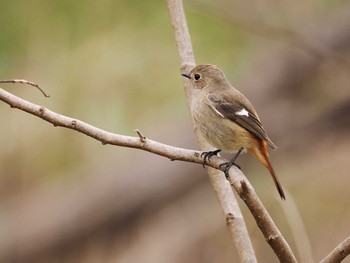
(227, 120)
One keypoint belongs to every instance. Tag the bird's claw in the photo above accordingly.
(207, 155)
(226, 168)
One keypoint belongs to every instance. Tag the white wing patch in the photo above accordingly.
(243, 112)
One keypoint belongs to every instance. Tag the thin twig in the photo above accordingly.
(23, 81)
(339, 253)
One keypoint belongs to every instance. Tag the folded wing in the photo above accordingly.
(240, 114)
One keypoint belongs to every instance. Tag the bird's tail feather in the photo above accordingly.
(262, 155)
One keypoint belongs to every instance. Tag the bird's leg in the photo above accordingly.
(207, 155)
(226, 166)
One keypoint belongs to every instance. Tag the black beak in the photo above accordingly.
(186, 75)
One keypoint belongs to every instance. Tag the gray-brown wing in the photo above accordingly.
(241, 115)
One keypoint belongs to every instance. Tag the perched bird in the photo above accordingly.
(227, 120)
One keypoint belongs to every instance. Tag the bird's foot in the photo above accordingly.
(207, 155)
(226, 166)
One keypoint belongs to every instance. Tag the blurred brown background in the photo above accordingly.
(67, 198)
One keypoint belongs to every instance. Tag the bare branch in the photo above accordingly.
(23, 81)
(264, 221)
(234, 219)
(339, 253)
(236, 227)
(105, 137)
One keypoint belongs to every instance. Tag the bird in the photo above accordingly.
(227, 120)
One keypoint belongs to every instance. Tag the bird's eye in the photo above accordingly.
(197, 76)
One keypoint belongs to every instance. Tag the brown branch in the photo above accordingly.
(229, 205)
(263, 219)
(235, 222)
(140, 142)
(234, 219)
(339, 253)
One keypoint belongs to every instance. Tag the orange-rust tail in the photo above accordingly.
(263, 156)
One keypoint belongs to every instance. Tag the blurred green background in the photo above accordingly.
(66, 198)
